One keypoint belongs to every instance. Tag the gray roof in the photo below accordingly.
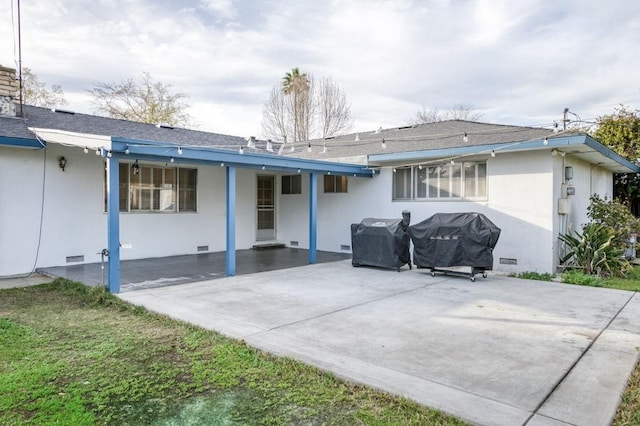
(45, 118)
(439, 135)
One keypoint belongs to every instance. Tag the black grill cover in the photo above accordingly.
(454, 239)
(380, 242)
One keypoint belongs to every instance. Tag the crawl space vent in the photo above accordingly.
(203, 248)
(293, 243)
(73, 259)
(345, 247)
(508, 261)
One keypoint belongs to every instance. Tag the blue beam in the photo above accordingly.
(113, 220)
(155, 151)
(313, 217)
(231, 221)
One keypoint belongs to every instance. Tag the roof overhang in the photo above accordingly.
(136, 149)
(581, 146)
(21, 142)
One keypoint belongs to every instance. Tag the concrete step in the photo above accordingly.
(266, 245)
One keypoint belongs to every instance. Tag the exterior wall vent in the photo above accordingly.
(203, 248)
(508, 261)
(293, 243)
(345, 247)
(74, 259)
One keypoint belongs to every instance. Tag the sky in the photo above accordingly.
(515, 62)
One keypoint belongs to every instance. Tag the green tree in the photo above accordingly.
(143, 100)
(296, 85)
(37, 93)
(620, 131)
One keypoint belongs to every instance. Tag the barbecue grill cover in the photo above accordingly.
(454, 239)
(380, 242)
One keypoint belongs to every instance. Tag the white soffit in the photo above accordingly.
(63, 137)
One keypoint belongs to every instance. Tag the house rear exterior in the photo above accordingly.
(180, 191)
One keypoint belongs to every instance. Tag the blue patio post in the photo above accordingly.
(231, 221)
(113, 224)
(313, 216)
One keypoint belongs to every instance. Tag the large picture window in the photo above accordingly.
(459, 181)
(156, 188)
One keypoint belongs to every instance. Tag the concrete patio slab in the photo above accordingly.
(26, 281)
(500, 351)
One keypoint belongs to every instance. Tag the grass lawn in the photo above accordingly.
(70, 354)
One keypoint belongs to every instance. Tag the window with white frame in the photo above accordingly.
(458, 181)
(156, 189)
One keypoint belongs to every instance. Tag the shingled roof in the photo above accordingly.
(431, 136)
(44, 118)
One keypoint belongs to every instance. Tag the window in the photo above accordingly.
(335, 183)
(448, 182)
(291, 184)
(156, 189)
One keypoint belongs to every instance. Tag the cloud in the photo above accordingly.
(520, 62)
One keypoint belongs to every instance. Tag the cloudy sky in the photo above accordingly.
(517, 62)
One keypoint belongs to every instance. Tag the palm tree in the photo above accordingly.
(296, 85)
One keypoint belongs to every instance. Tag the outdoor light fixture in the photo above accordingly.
(108, 154)
(97, 151)
(419, 166)
(62, 163)
(179, 150)
(568, 173)
(172, 160)
(383, 144)
(394, 170)
(126, 150)
(465, 138)
(545, 141)
(264, 167)
(241, 150)
(452, 162)
(324, 148)
(493, 153)
(221, 164)
(309, 147)
(299, 170)
(86, 150)
(136, 168)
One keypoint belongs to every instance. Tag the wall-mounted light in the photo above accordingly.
(62, 163)
(568, 173)
(136, 168)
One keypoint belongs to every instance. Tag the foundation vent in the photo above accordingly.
(345, 247)
(74, 259)
(293, 243)
(203, 248)
(508, 261)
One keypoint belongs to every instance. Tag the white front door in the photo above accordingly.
(266, 206)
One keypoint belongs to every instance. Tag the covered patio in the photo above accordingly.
(164, 271)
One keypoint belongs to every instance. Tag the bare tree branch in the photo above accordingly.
(36, 92)
(458, 112)
(144, 101)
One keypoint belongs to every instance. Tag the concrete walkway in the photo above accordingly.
(500, 351)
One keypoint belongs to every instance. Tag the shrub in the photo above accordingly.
(596, 250)
(528, 275)
(614, 215)
(580, 278)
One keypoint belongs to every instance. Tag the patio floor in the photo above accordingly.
(163, 271)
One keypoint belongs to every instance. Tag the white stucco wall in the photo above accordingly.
(75, 224)
(520, 202)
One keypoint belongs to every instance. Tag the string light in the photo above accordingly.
(86, 150)
(241, 150)
(179, 150)
(545, 141)
(309, 147)
(324, 148)
(126, 150)
(172, 160)
(493, 153)
(465, 138)
(263, 167)
(383, 144)
(97, 152)
(221, 164)
(298, 170)
(419, 166)
(108, 154)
